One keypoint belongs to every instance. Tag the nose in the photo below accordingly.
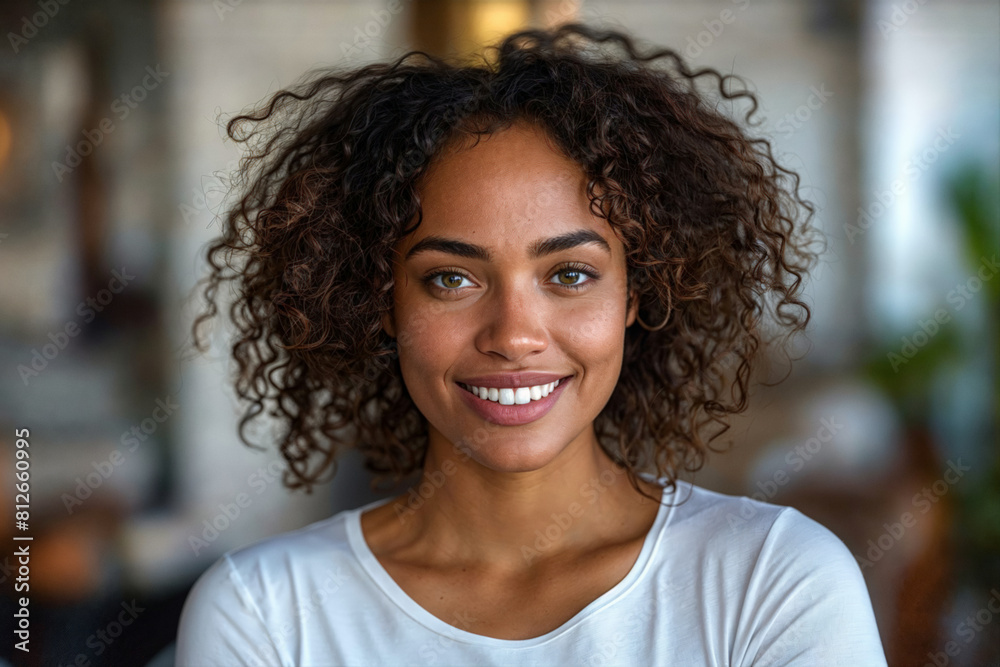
(513, 323)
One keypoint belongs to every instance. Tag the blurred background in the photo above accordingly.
(113, 166)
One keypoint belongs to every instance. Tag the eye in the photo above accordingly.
(575, 272)
(451, 279)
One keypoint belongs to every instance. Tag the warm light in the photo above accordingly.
(5, 139)
(491, 20)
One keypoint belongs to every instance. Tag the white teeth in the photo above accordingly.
(518, 396)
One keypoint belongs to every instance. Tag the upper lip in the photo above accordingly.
(512, 380)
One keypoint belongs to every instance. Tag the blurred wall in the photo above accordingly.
(114, 166)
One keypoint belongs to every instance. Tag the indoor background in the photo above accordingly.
(114, 165)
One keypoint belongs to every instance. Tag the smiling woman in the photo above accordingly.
(523, 305)
(458, 265)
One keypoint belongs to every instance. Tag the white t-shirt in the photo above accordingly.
(720, 580)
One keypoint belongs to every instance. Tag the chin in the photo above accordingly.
(501, 456)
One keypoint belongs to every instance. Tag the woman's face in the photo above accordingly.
(509, 272)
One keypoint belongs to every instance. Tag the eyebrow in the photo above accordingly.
(538, 249)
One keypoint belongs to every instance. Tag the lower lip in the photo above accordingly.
(512, 415)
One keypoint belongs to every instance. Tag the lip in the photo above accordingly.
(512, 380)
(514, 415)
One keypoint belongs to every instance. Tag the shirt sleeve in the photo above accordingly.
(221, 624)
(807, 603)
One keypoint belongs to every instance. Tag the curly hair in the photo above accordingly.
(711, 227)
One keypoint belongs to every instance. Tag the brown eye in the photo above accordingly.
(570, 276)
(574, 275)
(448, 281)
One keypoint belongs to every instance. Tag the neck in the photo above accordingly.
(462, 511)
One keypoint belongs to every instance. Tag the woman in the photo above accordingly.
(541, 281)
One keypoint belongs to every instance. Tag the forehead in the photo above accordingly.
(511, 188)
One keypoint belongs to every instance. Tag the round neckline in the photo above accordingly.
(400, 598)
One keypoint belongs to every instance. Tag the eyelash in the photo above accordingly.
(573, 267)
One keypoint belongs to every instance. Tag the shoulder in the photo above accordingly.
(230, 612)
(788, 585)
(320, 545)
(749, 547)
(727, 521)
(280, 569)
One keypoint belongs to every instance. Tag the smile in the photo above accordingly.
(513, 396)
(512, 406)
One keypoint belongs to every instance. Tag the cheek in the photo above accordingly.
(416, 317)
(430, 332)
(595, 331)
(425, 338)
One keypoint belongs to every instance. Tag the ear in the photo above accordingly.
(389, 324)
(633, 308)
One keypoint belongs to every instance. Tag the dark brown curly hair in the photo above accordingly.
(710, 222)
